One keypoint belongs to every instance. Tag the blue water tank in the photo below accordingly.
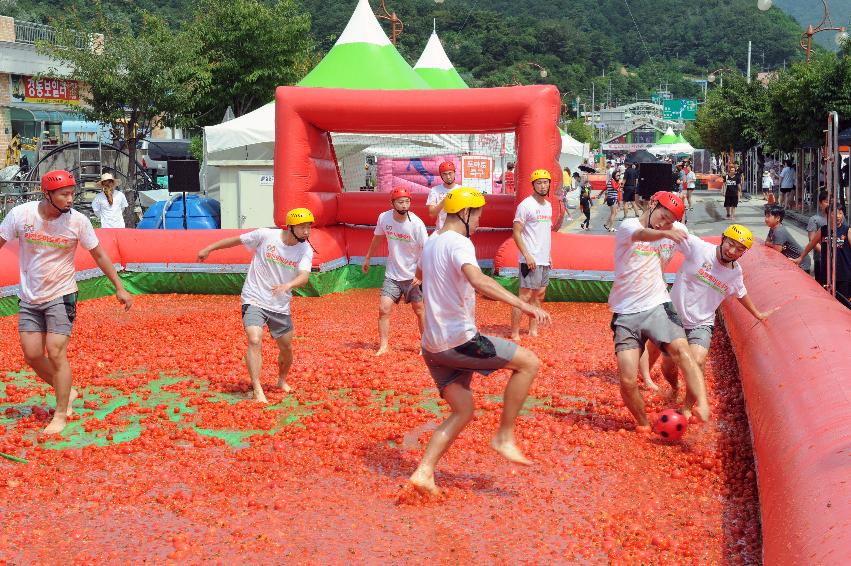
(202, 213)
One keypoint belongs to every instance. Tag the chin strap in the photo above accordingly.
(405, 213)
(61, 211)
(302, 240)
(466, 223)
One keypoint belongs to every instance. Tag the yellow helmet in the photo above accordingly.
(541, 174)
(462, 197)
(740, 234)
(299, 216)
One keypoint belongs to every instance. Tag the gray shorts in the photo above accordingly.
(398, 289)
(700, 335)
(279, 324)
(56, 316)
(483, 354)
(661, 325)
(537, 278)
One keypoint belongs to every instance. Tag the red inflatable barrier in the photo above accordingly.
(306, 172)
(364, 208)
(796, 376)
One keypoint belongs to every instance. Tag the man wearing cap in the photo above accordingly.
(438, 192)
(48, 232)
(281, 262)
(709, 274)
(453, 348)
(532, 232)
(640, 304)
(109, 204)
(406, 235)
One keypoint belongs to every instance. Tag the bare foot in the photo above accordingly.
(73, 396)
(686, 411)
(515, 337)
(282, 384)
(382, 350)
(56, 425)
(510, 451)
(424, 481)
(650, 384)
(703, 412)
(533, 332)
(260, 397)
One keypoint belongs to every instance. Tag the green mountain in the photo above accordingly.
(812, 13)
(620, 49)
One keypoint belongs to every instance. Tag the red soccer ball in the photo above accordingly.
(671, 424)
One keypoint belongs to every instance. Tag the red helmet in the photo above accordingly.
(57, 179)
(446, 166)
(670, 201)
(399, 192)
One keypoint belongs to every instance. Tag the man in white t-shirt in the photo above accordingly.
(532, 232)
(109, 204)
(406, 235)
(708, 275)
(690, 181)
(48, 233)
(453, 348)
(437, 193)
(641, 307)
(281, 263)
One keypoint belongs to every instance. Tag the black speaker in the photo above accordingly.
(654, 177)
(183, 176)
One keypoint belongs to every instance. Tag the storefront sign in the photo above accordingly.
(624, 146)
(477, 172)
(32, 90)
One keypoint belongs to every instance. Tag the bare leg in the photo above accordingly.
(385, 307)
(680, 354)
(254, 360)
(524, 295)
(537, 297)
(461, 402)
(525, 365)
(285, 359)
(699, 353)
(628, 370)
(57, 354)
(644, 368)
(419, 310)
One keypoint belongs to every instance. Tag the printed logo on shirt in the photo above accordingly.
(543, 218)
(665, 251)
(706, 278)
(273, 256)
(398, 236)
(31, 236)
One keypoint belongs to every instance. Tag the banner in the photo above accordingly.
(477, 173)
(32, 90)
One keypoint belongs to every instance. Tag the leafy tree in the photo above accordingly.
(252, 48)
(731, 117)
(135, 81)
(579, 130)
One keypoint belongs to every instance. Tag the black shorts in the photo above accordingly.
(731, 199)
(611, 201)
(787, 189)
(629, 194)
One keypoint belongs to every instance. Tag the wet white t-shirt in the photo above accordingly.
(537, 221)
(450, 301)
(703, 283)
(405, 241)
(274, 263)
(436, 196)
(46, 253)
(110, 215)
(639, 281)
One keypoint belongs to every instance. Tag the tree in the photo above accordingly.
(731, 117)
(579, 130)
(134, 82)
(253, 48)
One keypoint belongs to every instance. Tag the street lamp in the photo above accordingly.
(763, 4)
(719, 72)
(806, 40)
(396, 25)
(541, 71)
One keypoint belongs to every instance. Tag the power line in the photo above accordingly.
(629, 9)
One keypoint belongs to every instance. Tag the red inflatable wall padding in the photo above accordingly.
(177, 246)
(305, 169)
(486, 242)
(364, 208)
(796, 377)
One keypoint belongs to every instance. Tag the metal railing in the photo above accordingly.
(31, 32)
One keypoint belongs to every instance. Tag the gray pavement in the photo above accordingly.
(706, 218)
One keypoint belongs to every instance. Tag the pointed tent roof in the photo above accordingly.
(668, 138)
(436, 68)
(364, 58)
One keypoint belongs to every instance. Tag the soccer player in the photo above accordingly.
(437, 193)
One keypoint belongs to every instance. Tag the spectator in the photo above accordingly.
(630, 190)
(816, 222)
(109, 204)
(732, 190)
(690, 181)
(787, 183)
(842, 250)
(613, 196)
(585, 205)
(779, 238)
(767, 183)
(508, 179)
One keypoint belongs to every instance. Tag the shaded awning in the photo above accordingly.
(20, 113)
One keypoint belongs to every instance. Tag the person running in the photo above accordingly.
(438, 192)
(452, 346)
(709, 274)
(281, 262)
(532, 232)
(406, 235)
(109, 204)
(612, 195)
(779, 238)
(732, 191)
(641, 307)
(630, 190)
(48, 232)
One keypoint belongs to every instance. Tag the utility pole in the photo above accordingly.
(749, 62)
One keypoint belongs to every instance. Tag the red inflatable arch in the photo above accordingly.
(306, 171)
